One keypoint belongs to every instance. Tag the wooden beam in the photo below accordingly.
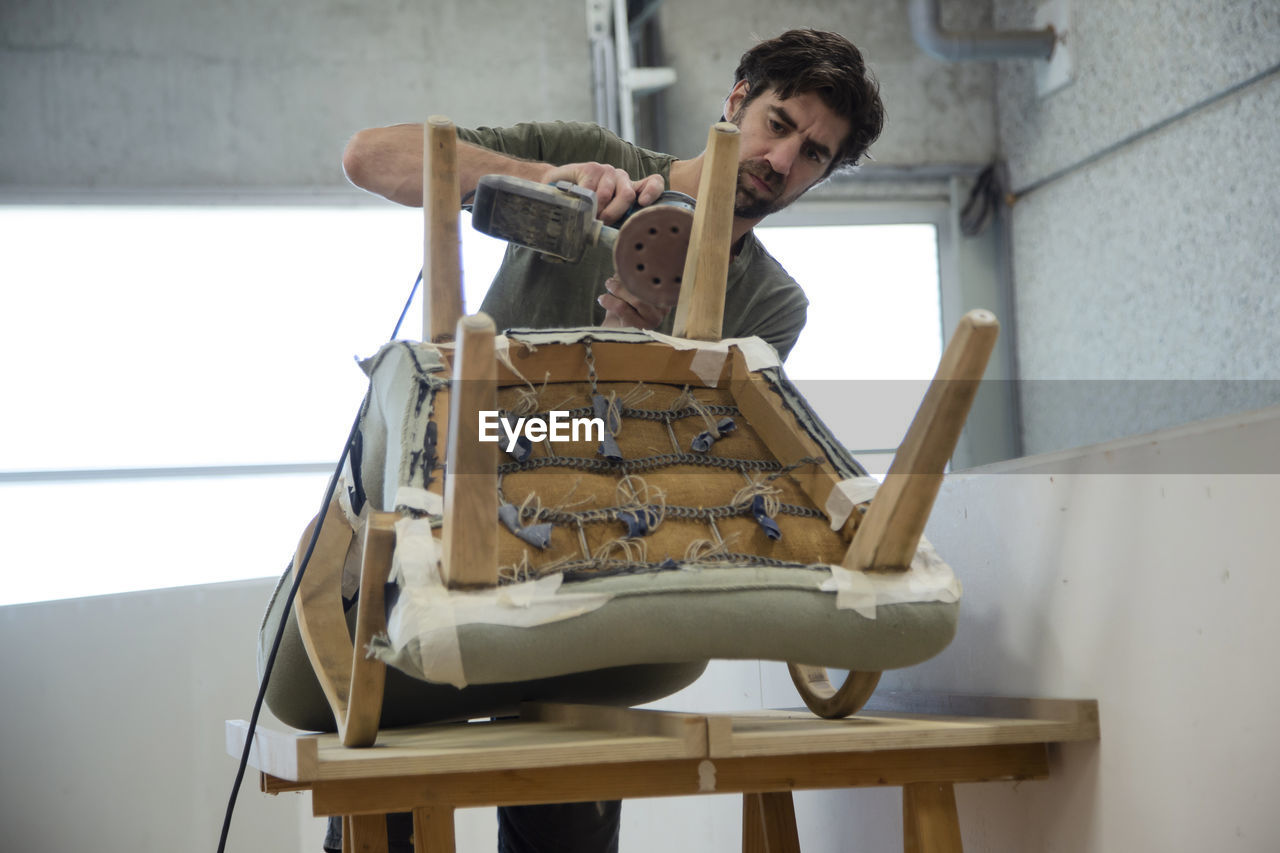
(700, 311)
(471, 483)
(782, 433)
(442, 266)
(578, 782)
(891, 530)
(321, 623)
(368, 675)
(433, 830)
(368, 833)
(929, 820)
(769, 823)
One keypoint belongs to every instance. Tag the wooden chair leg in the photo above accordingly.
(441, 202)
(769, 823)
(888, 535)
(700, 309)
(930, 823)
(471, 482)
(433, 830)
(368, 833)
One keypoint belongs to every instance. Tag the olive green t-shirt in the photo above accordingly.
(532, 291)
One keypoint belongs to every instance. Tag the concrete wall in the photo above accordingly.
(157, 95)
(1144, 239)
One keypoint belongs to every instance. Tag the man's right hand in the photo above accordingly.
(615, 190)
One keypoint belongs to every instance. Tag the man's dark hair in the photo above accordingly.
(827, 64)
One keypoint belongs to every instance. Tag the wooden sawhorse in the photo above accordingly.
(572, 753)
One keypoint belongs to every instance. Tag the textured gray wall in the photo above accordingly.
(938, 113)
(1146, 247)
(158, 94)
(155, 95)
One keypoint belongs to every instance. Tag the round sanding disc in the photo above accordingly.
(650, 252)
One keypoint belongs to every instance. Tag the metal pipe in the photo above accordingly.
(926, 29)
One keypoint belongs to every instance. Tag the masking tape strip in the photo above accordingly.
(928, 578)
(846, 495)
(422, 631)
(420, 500)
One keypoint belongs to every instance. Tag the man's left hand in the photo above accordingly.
(624, 308)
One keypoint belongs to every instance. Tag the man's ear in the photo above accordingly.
(736, 96)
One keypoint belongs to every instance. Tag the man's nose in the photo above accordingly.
(783, 156)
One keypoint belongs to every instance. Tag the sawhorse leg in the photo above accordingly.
(432, 832)
(930, 823)
(769, 823)
(364, 833)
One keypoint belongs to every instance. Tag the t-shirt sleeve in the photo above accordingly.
(560, 142)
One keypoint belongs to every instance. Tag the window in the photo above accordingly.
(179, 380)
(874, 332)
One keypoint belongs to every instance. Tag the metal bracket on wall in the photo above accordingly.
(616, 80)
(926, 28)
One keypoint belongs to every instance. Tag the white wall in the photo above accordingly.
(111, 723)
(1140, 573)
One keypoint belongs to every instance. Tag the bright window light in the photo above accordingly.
(153, 337)
(139, 337)
(874, 333)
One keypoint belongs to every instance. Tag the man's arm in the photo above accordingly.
(388, 161)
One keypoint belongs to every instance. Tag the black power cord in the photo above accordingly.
(293, 592)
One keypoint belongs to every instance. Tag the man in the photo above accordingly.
(805, 105)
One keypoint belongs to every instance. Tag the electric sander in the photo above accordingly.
(559, 220)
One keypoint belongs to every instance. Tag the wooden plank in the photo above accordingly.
(891, 530)
(269, 784)
(470, 556)
(614, 362)
(576, 783)
(1074, 719)
(783, 435)
(284, 755)
(433, 830)
(769, 823)
(929, 820)
(492, 746)
(690, 730)
(442, 266)
(798, 732)
(368, 833)
(700, 310)
(321, 621)
(368, 675)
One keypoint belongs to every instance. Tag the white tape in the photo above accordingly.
(846, 495)
(420, 500)
(709, 364)
(422, 631)
(854, 591)
(928, 578)
(758, 353)
(706, 776)
(422, 625)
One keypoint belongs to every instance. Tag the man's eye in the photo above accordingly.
(775, 126)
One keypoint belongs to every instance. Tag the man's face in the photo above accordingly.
(786, 146)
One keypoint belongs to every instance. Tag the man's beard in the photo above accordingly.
(747, 203)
